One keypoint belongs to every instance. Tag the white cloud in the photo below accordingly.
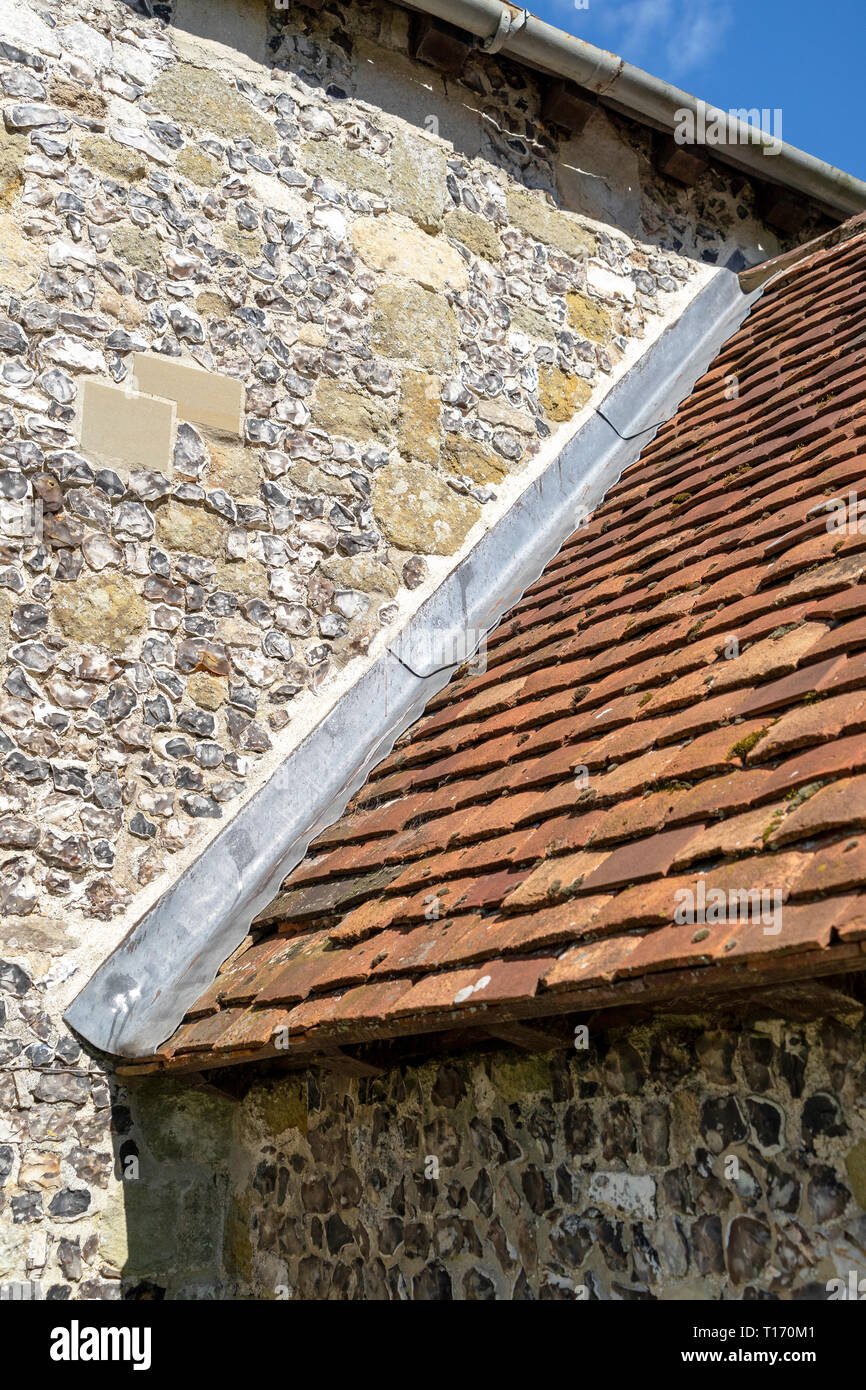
(701, 37)
(688, 35)
(639, 21)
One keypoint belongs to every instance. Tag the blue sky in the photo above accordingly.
(802, 57)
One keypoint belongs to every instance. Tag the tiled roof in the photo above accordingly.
(679, 700)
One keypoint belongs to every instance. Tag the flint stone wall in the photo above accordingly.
(673, 1161)
(683, 1159)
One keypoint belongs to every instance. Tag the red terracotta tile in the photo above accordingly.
(635, 776)
(850, 922)
(596, 963)
(842, 573)
(640, 860)
(554, 837)
(566, 796)
(676, 946)
(253, 1028)
(764, 873)
(646, 905)
(699, 718)
(490, 892)
(846, 638)
(747, 833)
(494, 982)
(435, 901)
(505, 852)
(298, 978)
(634, 738)
(843, 604)
(311, 1014)
(755, 618)
(209, 1002)
(639, 816)
(835, 868)
(737, 585)
(553, 880)
(848, 673)
(364, 920)
(243, 984)
(201, 1034)
(424, 948)
(421, 873)
(789, 690)
(712, 753)
(768, 659)
(368, 1004)
(497, 816)
(795, 927)
(552, 926)
(812, 723)
(839, 806)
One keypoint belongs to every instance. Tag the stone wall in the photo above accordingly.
(423, 290)
(690, 1158)
(677, 1160)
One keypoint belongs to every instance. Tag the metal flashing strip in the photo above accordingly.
(140, 993)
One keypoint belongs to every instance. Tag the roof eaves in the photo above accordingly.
(509, 29)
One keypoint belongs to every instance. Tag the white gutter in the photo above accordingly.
(508, 29)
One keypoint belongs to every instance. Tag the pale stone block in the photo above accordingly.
(203, 398)
(396, 245)
(608, 284)
(131, 429)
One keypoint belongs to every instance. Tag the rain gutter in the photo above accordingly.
(514, 31)
(140, 993)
